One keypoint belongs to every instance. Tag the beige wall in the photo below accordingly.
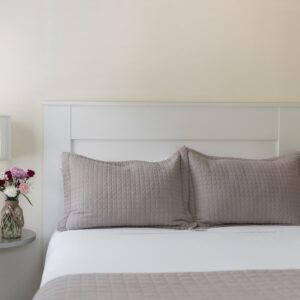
(199, 50)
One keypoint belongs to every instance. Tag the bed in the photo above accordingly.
(231, 262)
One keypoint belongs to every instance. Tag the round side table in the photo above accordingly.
(28, 236)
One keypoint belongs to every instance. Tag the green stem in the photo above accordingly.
(26, 198)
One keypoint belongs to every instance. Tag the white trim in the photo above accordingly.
(278, 131)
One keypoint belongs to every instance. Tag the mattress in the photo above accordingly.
(154, 251)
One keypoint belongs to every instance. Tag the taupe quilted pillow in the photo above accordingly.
(241, 191)
(130, 193)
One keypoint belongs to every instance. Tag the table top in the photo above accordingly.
(28, 236)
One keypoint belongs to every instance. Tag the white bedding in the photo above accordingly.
(139, 250)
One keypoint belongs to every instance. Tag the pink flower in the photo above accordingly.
(24, 188)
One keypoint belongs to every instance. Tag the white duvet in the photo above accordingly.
(138, 250)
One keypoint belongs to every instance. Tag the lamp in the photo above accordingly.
(5, 138)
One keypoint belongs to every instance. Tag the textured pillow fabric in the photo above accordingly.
(129, 193)
(245, 191)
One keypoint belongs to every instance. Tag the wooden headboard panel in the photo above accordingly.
(152, 131)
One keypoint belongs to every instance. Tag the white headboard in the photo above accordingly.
(152, 131)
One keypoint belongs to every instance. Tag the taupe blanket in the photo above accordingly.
(233, 285)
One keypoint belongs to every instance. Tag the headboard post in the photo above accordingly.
(57, 139)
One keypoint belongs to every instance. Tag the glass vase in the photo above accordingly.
(12, 220)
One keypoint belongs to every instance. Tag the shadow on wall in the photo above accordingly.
(24, 140)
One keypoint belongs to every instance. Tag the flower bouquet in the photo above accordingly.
(13, 184)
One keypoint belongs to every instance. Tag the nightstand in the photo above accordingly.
(28, 236)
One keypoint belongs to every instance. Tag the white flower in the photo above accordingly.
(2, 176)
(11, 191)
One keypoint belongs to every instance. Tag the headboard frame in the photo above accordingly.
(153, 130)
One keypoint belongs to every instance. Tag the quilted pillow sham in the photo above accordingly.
(245, 191)
(124, 194)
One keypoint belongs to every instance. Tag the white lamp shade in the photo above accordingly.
(5, 138)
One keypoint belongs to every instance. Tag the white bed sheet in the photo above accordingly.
(144, 250)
